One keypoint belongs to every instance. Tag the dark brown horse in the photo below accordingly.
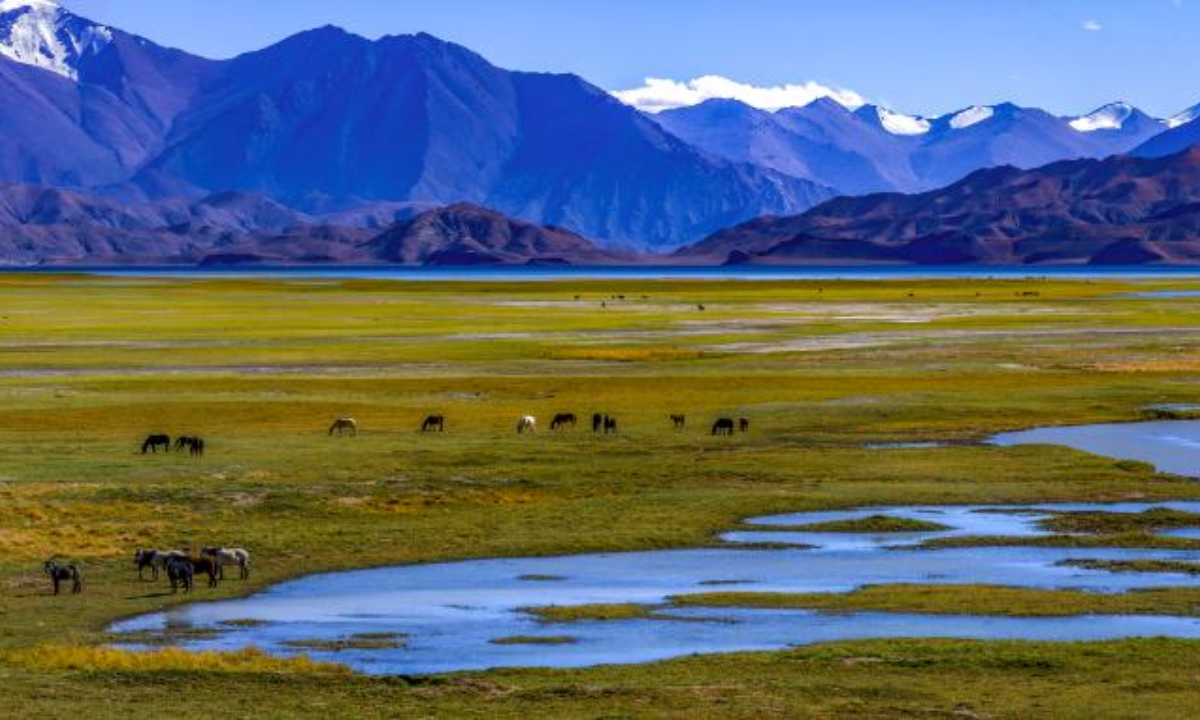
(744, 424)
(562, 420)
(723, 426)
(207, 565)
(434, 422)
(610, 424)
(597, 422)
(679, 421)
(153, 442)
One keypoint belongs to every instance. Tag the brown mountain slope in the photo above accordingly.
(465, 234)
(1119, 210)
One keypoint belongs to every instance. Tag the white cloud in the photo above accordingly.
(1092, 25)
(658, 94)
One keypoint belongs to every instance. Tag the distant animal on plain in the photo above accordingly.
(181, 574)
(229, 556)
(154, 559)
(597, 422)
(193, 444)
(610, 425)
(723, 426)
(744, 424)
(58, 573)
(528, 423)
(434, 422)
(344, 425)
(562, 420)
(700, 306)
(679, 421)
(154, 442)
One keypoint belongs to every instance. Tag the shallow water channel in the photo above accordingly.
(450, 614)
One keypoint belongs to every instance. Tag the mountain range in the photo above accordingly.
(119, 149)
(1120, 210)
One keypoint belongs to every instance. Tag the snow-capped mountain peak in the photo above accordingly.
(900, 124)
(1184, 117)
(1110, 117)
(41, 33)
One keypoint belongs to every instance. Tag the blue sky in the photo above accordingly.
(918, 56)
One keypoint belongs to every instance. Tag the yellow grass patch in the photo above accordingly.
(101, 659)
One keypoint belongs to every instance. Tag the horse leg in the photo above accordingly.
(54, 579)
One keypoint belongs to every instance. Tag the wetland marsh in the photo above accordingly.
(260, 366)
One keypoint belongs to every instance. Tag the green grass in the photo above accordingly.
(1137, 566)
(871, 524)
(534, 640)
(89, 366)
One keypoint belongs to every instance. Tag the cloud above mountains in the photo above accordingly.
(659, 94)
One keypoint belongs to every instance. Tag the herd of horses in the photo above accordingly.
(181, 567)
(191, 444)
(601, 424)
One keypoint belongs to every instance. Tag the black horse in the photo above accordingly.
(723, 426)
(597, 422)
(610, 424)
(434, 422)
(562, 420)
(181, 574)
(153, 442)
(679, 421)
(193, 444)
(59, 573)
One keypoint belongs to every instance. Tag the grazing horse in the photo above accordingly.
(562, 419)
(229, 556)
(344, 425)
(723, 426)
(744, 424)
(181, 574)
(597, 422)
(59, 573)
(154, 559)
(679, 421)
(434, 422)
(527, 423)
(206, 565)
(610, 424)
(193, 444)
(153, 442)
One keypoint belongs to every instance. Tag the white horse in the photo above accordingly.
(229, 556)
(526, 424)
(155, 559)
(344, 425)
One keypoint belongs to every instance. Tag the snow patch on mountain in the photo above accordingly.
(42, 34)
(1109, 117)
(1184, 117)
(899, 124)
(971, 116)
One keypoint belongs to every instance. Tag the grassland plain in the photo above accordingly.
(259, 367)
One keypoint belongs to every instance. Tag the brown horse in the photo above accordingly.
(744, 424)
(562, 420)
(679, 421)
(434, 422)
(344, 425)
